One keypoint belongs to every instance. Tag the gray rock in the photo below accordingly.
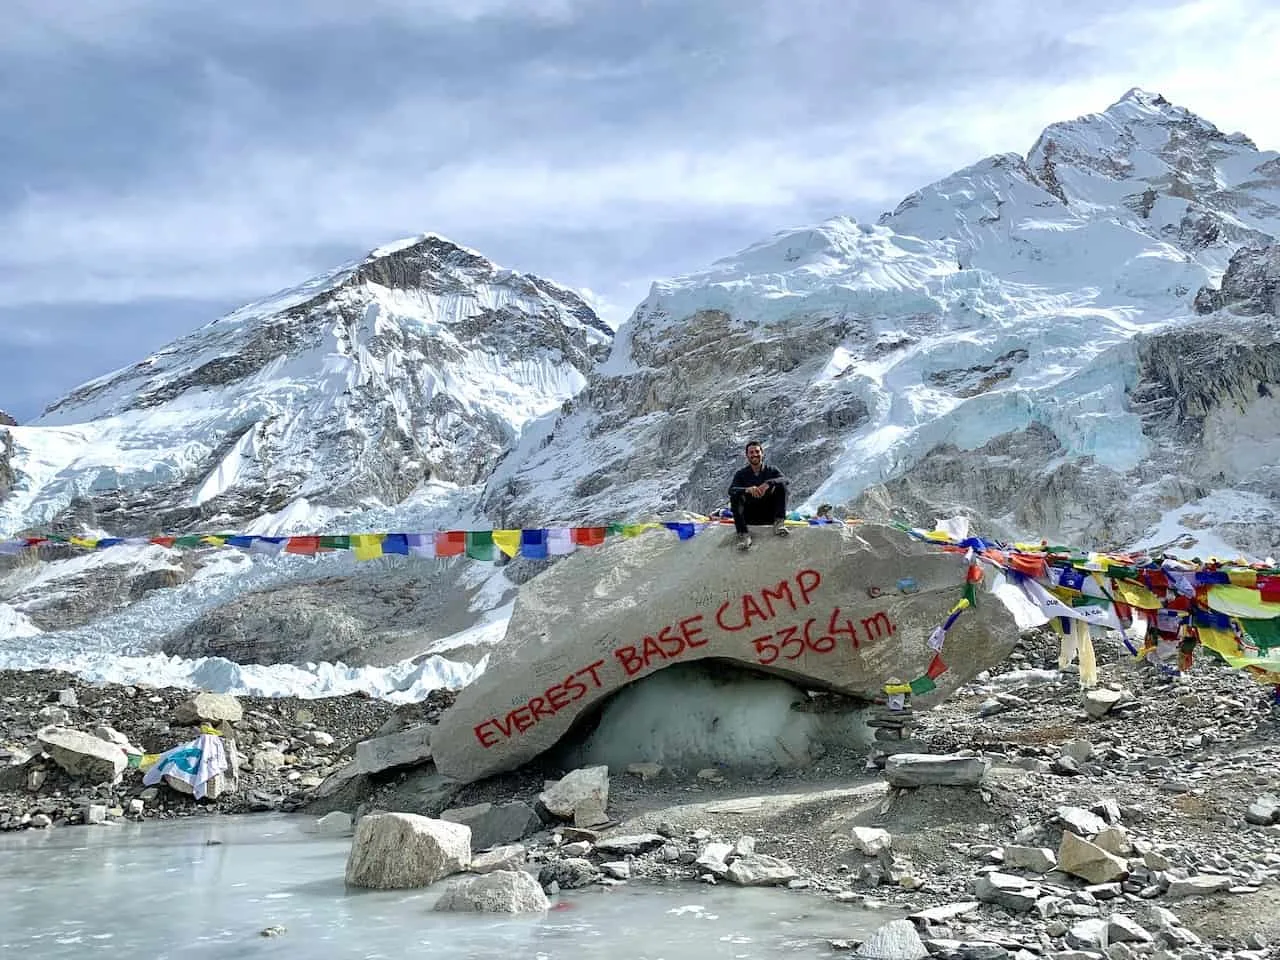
(1264, 811)
(568, 874)
(1101, 701)
(869, 841)
(405, 748)
(501, 891)
(1013, 893)
(585, 787)
(495, 824)
(1088, 934)
(393, 851)
(1086, 860)
(759, 870)
(1124, 929)
(551, 667)
(84, 755)
(510, 856)
(945, 913)
(922, 770)
(896, 940)
(634, 843)
(1038, 859)
(1080, 821)
(208, 707)
(1200, 885)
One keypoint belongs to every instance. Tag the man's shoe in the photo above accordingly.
(744, 541)
(780, 528)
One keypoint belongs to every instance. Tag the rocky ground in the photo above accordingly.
(1137, 820)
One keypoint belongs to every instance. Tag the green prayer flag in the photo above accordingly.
(480, 544)
(342, 542)
(922, 685)
(1264, 633)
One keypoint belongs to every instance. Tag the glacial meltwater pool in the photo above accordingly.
(207, 887)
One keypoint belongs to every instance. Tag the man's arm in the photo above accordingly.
(774, 475)
(740, 483)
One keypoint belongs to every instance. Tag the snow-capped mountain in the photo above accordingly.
(420, 364)
(1011, 341)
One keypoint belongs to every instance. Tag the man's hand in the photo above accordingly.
(759, 490)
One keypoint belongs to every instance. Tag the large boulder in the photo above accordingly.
(84, 755)
(845, 609)
(397, 851)
(502, 891)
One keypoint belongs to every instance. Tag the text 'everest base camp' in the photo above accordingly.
(426, 556)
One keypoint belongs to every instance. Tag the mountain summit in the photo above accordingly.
(1000, 344)
(420, 363)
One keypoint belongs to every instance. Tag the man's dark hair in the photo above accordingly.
(752, 443)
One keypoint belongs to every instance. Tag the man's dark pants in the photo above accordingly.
(758, 511)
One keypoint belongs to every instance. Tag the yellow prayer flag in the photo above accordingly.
(1243, 578)
(635, 529)
(1135, 595)
(83, 542)
(367, 546)
(1220, 641)
(508, 541)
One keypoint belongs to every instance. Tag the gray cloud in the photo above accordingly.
(211, 157)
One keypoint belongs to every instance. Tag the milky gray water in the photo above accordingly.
(206, 888)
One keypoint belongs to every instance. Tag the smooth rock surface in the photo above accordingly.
(396, 851)
(594, 622)
(84, 755)
(495, 824)
(502, 891)
(924, 769)
(405, 748)
(208, 707)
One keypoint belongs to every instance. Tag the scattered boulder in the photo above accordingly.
(495, 824)
(759, 870)
(208, 707)
(510, 856)
(896, 940)
(568, 874)
(870, 840)
(1011, 892)
(925, 770)
(84, 755)
(405, 748)
(395, 851)
(637, 843)
(1264, 811)
(586, 789)
(1100, 701)
(1086, 860)
(501, 891)
(1199, 885)
(1037, 859)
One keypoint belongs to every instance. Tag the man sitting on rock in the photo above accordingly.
(758, 496)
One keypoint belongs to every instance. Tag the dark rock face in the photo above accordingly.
(1250, 287)
(344, 395)
(375, 615)
(6, 420)
(8, 477)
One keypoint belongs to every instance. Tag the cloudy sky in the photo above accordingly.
(162, 162)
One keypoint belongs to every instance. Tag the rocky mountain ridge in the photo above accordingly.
(995, 346)
(414, 368)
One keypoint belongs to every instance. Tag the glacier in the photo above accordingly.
(1053, 344)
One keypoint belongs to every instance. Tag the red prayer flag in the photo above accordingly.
(307, 546)
(588, 536)
(451, 543)
(936, 668)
